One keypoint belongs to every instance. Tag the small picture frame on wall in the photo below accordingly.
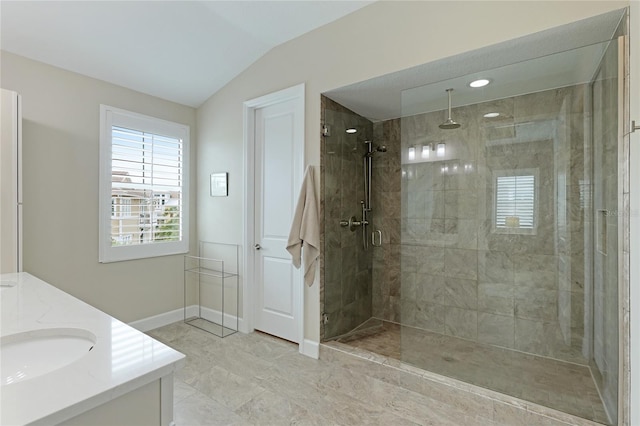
(220, 184)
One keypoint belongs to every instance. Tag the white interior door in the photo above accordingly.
(278, 145)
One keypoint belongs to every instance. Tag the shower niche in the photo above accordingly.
(498, 252)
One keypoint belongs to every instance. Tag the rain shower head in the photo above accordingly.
(449, 123)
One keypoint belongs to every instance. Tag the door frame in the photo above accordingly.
(249, 283)
(633, 304)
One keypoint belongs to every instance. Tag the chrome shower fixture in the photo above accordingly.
(366, 202)
(380, 148)
(449, 123)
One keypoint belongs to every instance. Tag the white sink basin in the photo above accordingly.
(24, 356)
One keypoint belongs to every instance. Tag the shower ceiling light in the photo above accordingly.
(351, 130)
(491, 115)
(479, 83)
(412, 153)
(440, 150)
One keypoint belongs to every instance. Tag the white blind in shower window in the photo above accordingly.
(515, 202)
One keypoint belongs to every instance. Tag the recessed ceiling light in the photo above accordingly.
(491, 115)
(479, 83)
(351, 130)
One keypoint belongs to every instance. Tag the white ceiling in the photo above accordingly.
(558, 57)
(183, 51)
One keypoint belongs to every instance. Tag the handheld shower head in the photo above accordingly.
(449, 123)
(371, 150)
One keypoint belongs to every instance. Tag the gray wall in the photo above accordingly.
(61, 131)
(386, 205)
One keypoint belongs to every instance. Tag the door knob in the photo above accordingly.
(257, 246)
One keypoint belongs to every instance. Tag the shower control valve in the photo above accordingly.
(352, 223)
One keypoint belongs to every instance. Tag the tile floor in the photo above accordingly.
(557, 384)
(256, 379)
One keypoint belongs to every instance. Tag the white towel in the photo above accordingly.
(305, 230)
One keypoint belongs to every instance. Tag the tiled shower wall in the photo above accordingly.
(386, 217)
(460, 276)
(346, 268)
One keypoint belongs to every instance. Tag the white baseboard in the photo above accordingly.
(176, 315)
(159, 320)
(310, 348)
(307, 347)
(216, 316)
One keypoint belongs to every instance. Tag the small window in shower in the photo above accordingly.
(515, 201)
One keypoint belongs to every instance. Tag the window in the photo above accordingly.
(515, 196)
(120, 207)
(144, 204)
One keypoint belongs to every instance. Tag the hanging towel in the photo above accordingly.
(304, 237)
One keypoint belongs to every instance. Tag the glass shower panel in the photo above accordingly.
(347, 265)
(500, 219)
(604, 363)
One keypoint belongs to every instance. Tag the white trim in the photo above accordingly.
(213, 316)
(247, 215)
(248, 284)
(108, 117)
(160, 320)
(310, 348)
(634, 220)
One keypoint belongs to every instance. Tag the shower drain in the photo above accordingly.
(448, 358)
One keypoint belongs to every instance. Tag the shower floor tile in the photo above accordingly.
(552, 383)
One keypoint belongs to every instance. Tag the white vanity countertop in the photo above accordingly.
(122, 358)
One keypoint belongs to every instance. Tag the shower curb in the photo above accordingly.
(506, 409)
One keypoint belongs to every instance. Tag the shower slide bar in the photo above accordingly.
(352, 223)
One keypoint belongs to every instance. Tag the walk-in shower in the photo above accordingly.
(497, 258)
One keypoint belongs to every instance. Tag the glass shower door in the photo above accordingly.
(606, 225)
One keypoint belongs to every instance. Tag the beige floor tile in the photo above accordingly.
(269, 408)
(181, 391)
(200, 410)
(261, 380)
(227, 388)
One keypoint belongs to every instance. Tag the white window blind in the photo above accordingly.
(146, 167)
(143, 174)
(515, 202)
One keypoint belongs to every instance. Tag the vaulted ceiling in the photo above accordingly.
(183, 51)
